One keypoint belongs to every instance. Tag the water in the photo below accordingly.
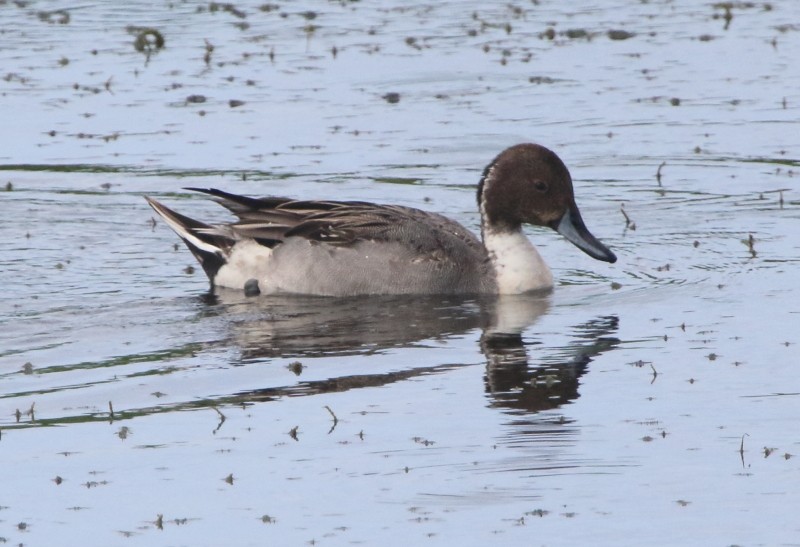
(653, 401)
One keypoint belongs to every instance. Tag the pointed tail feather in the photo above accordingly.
(239, 204)
(207, 244)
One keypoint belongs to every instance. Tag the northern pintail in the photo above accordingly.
(345, 248)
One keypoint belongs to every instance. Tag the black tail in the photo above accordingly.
(208, 245)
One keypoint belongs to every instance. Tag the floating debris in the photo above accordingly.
(222, 419)
(741, 448)
(296, 367)
(148, 41)
(412, 42)
(209, 51)
(574, 34)
(233, 103)
(674, 101)
(58, 17)
(728, 15)
(196, 99)
(620, 34)
(629, 224)
(392, 97)
(750, 242)
(335, 419)
(538, 513)
(422, 441)
(658, 172)
(226, 7)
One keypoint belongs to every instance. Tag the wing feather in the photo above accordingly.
(340, 222)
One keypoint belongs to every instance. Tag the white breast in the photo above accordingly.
(517, 263)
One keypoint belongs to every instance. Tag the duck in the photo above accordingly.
(281, 245)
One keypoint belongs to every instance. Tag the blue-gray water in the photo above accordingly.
(653, 401)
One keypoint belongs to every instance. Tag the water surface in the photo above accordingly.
(653, 401)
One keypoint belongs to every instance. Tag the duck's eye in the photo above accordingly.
(541, 186)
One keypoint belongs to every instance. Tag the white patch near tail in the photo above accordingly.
(518, 265)
(247, 260)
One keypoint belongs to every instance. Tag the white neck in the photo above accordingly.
(517, 263)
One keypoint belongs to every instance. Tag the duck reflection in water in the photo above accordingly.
(517, 376)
